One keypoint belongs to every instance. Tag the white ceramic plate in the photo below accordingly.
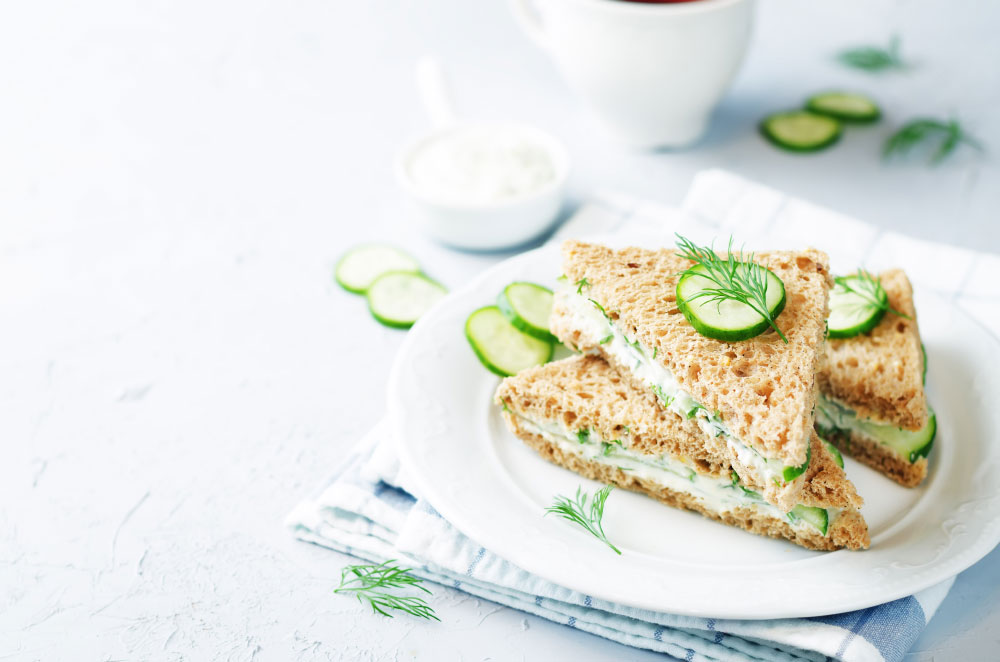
(495, 490)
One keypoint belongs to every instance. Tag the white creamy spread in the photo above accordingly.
(597, 328)
(717, 494)
(480, 165)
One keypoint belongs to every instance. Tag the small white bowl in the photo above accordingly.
(489, 225)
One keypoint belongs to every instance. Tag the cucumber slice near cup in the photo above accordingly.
(800, 130)
(726, 320)
(503, 349)
(853, 310)
(844, 106)
(399, 298)
(360, 266)
(528, 306)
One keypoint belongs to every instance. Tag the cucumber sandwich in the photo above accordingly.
(580, 414)
(744, 375)
(872, 403)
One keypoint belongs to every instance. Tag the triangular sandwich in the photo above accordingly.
(872, 403)
(581, 414)
(756, 395)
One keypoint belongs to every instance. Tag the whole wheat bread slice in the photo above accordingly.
(879, 374)
(763, 388)
(585, 393)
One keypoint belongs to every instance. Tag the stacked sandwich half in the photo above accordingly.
(693, 401)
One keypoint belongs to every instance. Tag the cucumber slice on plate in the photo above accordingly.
(726, 320)
(360, 266)
(844, 106)
(528, 306)
(818, 517)
(800, 130)
(503, 349)
(857, 305)
(399, 298)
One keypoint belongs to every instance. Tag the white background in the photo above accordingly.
(177, 368)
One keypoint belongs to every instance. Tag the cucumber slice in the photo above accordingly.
(835, 452)
(528, 306)
(800, 130)
(909, 444)
(360, 266)
(852, 311)
(503, 349)
(818, 517)
(844, 106)
(791, 473)
(725, 320)
(399, 298)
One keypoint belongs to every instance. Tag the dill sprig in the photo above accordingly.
(947, 135)
(870, 289)
(373, 582)
(586, 515)
(736, 278)
(874, 59)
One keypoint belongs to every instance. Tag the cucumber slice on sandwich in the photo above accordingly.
(360, 266)
(528, 306)
(503, 349)
(800, 130)
(909, 444)
(844, 106)
(727, 319)
(399, 298)
(857, 305)
(817, 517)
(835, 452)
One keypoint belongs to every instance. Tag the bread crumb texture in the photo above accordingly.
(763, 389)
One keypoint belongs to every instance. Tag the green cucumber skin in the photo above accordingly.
(778, 142)
(835, 452)
(925, 450)
(817, 517)
(726, 335)
(843, 438)
(482, 356)
(519, 323)
(791, 473)
(399, 324)
(357, 290)
(853, 331)
(814, 105)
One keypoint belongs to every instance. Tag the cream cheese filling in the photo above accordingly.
(719, 495)
(593, 323)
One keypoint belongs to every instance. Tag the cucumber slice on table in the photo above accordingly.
(853, 310)
(844, 106)
(360, 266)
(818, 517)
(503, 349)
(725, 320)
(911, 445)
(528, 306)
(399, 298)
(800, 130)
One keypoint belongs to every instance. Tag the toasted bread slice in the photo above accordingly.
(762, 390)
(879, 374)
(586, 401)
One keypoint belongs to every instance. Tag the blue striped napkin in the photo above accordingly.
(370, 510)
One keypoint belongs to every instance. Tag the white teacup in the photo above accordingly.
(652, 72)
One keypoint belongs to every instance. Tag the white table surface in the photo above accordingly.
(177, 368)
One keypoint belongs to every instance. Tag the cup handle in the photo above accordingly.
(526, 15)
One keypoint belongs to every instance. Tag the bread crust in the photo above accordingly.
(879, 374)
(878, 457)
(587, 393)
(763, 389)
(847, 530)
